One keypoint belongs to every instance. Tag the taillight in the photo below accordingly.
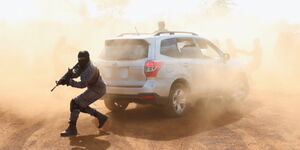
(152, 67)
(148, 96)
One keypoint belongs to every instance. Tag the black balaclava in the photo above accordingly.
(83, 59)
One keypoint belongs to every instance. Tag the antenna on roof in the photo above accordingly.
(137, 32)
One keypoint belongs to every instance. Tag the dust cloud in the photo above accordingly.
(37, 50)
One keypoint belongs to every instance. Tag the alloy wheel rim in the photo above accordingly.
(119, 105)
(179, 101)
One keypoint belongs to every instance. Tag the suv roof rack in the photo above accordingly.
(123, 34)
(159, 33)
(173, 32)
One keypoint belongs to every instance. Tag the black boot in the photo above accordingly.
(102, 121)
(70, 131)
(101, 118)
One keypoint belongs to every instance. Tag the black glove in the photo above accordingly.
(63, 82)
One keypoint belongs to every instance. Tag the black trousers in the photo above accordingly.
(81, 104)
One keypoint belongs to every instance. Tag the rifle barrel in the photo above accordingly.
(54, 87)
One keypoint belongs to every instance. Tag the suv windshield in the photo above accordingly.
(125, 49)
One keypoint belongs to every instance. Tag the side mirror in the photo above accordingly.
(226, 57)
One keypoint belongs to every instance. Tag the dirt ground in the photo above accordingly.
(267, 120)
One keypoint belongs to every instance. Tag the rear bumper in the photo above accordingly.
(152, 92)
(143, 98)
(151, 86)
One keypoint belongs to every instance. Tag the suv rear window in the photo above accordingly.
(125, 49)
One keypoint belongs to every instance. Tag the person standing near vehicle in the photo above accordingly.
(256, 54)
(161, 27)
(96, 88)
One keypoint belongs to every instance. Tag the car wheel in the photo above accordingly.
(177, 100)
(115, 105)
(240, 89)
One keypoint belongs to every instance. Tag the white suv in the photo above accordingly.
(167, 68)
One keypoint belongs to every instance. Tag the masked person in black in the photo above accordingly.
(96, 88)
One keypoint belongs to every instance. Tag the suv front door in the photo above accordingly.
(212, 63)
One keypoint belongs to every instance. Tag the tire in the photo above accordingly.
(235, 98)
(177, 100)
(115, 105)
(239, 89)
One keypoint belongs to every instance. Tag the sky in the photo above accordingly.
(141, 10)
(270, 9)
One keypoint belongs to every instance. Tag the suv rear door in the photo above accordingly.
(178, 56)
(122, 62)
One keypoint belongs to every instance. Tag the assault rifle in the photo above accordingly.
(67, 76)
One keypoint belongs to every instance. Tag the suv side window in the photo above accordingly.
(208, 50)
(188, 48)
(169, 47)
(180, 48)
